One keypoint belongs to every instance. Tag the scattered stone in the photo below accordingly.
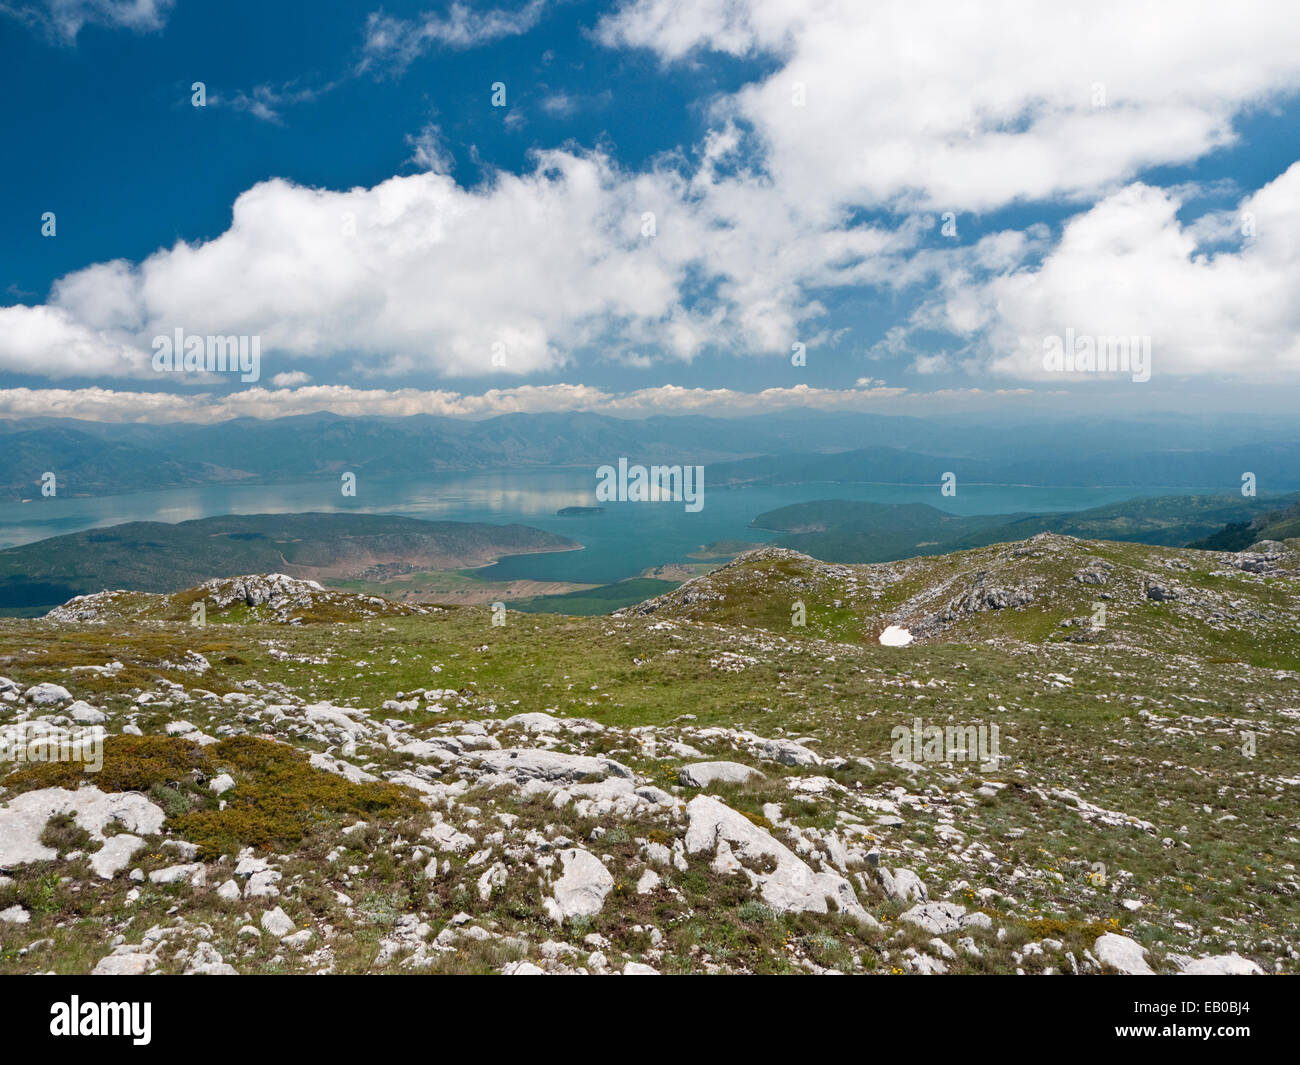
(128, 964)
(47, 694)
(115, 855)
(24, 817)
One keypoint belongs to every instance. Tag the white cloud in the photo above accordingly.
(429, 150)
(559, 104)
(939, 105)
(64, 19)
(267, 102)
(100, 404)
(1128, 267)
(48, 342)
(420, 274)
(394, 43)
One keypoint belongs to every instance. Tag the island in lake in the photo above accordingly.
(573, 512)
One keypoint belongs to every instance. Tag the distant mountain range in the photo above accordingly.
(100, 458)
(1275, 464)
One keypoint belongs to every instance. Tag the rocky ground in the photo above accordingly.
(323, 783)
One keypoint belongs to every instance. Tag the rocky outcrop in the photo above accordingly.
(782, 880)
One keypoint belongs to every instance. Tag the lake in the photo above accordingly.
(620, 542)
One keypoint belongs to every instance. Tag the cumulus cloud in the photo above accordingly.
(291, 379)
(1129, 267)
(50, 342)
(939, 105)
(421, 274)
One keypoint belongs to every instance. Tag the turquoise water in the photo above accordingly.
(622, 541)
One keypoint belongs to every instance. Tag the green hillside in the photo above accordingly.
(840, 530)
(423, 789)
(158, 557)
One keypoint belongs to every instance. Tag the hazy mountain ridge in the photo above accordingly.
(84, 464)
(775, 448)
(1274, 464)
(1283, 524)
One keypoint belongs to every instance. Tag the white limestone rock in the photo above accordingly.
(937, 918)
(24, 817)
(524, 763)
(277, 923)
(47, 694)
(1122, 954)
(792, 886)
(581, 890)
(702, 774)
(115, 855)
(1223, 965)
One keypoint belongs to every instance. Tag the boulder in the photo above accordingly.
(581, 890)
(787, 752)
(128, 964)
(702, 774)
(115, 855)
(47, 694)
(1223, 965)
(903, 885)
(937, 918)
(1122, 954)
(278, 923)
(526, 763)
(84, 714)
(791, 886)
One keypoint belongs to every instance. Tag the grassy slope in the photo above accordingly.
(840, 530)
(1149, 724)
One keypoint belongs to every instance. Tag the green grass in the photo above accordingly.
(1150, 725)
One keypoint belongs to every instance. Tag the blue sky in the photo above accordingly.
(1104, 177)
